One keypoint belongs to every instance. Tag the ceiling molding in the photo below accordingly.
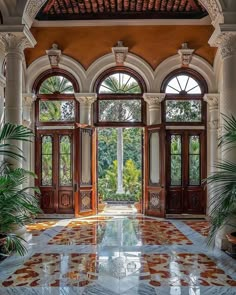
(128, 22)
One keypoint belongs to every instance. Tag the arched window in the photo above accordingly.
(184, 98)
(120, 98)
(55, 99)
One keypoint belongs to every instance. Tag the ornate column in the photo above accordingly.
(154, 106)
(212, 100)
(224, 37)
(14, 44)
(86, 100)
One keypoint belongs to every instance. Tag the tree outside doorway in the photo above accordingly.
(108, 162)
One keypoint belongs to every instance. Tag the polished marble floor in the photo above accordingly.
(119, 255)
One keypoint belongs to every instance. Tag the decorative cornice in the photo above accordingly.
(86, 98)
(185, 54)
(120, 52)
(154, 98)
(212, 99)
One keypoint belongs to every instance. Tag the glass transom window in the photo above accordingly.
(56, 85)
(183, 102)
(56, 103)
(119, 99)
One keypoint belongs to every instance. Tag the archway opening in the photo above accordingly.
(120, 170)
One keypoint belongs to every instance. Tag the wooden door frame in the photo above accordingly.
(158, 188)
(185, 133)
(55, 133)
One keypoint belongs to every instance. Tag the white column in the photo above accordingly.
(212, 100)
(154, 106)
(86, 100)
(14, 44)
(225, 38)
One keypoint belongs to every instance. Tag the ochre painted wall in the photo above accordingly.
(153, 43)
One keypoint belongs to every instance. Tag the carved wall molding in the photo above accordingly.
(213, 7)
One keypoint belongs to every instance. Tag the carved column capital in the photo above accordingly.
(16, 42)
(86, 98)
(154, 99)
(28, 99)
(224, 37)
(212, 100)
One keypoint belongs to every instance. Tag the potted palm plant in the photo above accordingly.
(222, 184)
(18, 202)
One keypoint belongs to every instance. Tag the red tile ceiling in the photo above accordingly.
(121, 9)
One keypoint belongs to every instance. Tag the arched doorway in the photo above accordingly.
(120, 114)
(56, 112)
(184, 116)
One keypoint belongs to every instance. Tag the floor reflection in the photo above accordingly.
(120, 265)
(120, 232)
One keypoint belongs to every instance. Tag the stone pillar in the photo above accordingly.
(224, 37)
(212, 135)
(14, 45)
(86, 100)
(154, 106)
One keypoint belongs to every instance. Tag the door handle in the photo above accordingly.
(75, 187)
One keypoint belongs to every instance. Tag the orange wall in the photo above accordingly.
(152, 43)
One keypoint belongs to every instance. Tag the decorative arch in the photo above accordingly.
(197, 64)
(54, 72)
(42, 65)
(132, 62)
(32, 7)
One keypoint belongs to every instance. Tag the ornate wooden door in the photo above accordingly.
(186, 167)
(85, 188)
(54, 167)
(154, 200)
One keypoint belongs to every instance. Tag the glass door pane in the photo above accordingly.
(176, 160)
(194, 160)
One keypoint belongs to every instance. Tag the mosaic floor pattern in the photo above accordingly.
(202, 227)
(39, 226)
(120, 255)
